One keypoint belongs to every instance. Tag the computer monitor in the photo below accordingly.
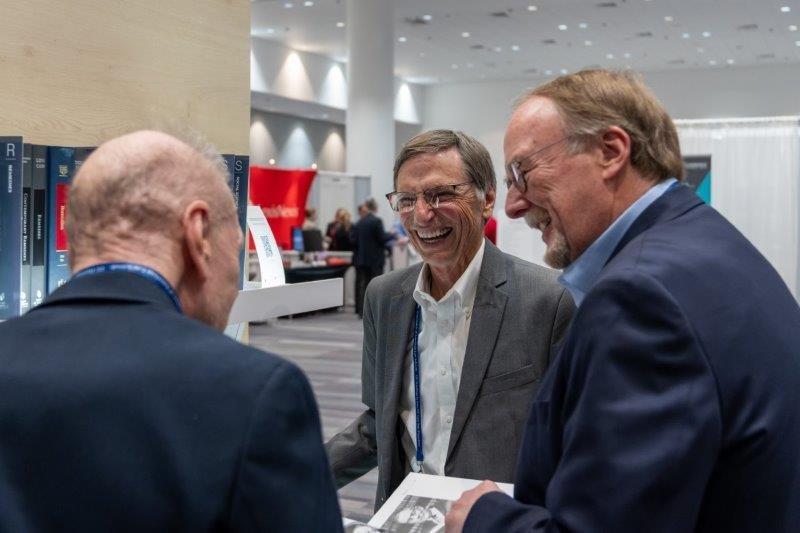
(312, 240)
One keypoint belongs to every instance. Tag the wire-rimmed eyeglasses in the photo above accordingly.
(514, 173)
(405, 202)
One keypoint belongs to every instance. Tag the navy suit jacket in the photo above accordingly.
(117, 413)
(674, 404)
(370, 242)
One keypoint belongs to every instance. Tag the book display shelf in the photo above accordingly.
(81, 72)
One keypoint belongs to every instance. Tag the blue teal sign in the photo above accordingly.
(697, 175)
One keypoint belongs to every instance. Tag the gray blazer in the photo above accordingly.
(519, 316)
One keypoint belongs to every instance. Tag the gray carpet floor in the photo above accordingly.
(327, 346)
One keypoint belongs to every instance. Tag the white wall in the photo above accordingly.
(482, 110)
(306, 77)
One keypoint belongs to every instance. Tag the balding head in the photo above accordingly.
(152, 199)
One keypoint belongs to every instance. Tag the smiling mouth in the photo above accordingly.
(432, 236)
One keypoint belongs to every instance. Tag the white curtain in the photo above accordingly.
(755, 170)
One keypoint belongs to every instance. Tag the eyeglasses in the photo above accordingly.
(515, 174)
(405, 202)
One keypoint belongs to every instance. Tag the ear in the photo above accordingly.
(488, 207)
(615, 148)
(197, 247)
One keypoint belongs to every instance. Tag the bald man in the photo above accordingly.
(122, 406)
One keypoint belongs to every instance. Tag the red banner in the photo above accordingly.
(282, 195)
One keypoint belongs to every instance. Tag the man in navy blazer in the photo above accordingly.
(369, 240)
(122, 406)
(674, 404)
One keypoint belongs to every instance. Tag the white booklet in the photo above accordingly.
(420, 504)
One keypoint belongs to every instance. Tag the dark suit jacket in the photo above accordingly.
(119, 414)
(674, 404)
(369, 239)
(519, 314)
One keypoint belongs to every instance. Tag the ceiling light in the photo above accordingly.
(792, 28)
(730, 61)
(587, 43)
(427, 18)
(583, 25)
(288, 5)
(562, 27)
(532, 8)
(609, 56)
(667, 19)
(515, 48)
(401, 39)
(685, 35)
(706, 34)
(271, 161)
(786, 9)
(314, 166)
(308, 3)
(465, 34)
(340, 24)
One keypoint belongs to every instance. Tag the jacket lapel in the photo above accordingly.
(487, 316)
(401, 316)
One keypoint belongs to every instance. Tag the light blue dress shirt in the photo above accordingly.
(580, 276)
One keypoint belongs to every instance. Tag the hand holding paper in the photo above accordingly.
(455, 519)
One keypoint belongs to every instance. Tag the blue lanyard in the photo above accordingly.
(417, 397)
(133, 268)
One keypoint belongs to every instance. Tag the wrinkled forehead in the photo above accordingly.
(535, 123)
(428, 170)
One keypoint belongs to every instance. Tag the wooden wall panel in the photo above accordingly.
(78, 72)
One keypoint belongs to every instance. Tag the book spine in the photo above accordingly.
(61, 168)
(10, 226)
(39, 224)
(27, 243)
(241, 183)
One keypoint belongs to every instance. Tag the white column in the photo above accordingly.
(370, 96)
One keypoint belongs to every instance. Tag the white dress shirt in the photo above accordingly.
(442, 345)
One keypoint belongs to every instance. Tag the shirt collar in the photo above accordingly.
(464, 288)
(581, 275)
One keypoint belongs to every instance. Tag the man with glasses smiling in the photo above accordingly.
(673, 403)
(454, 348)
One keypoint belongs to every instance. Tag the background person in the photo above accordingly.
(369, 240)
(123, 407)
(674, 404)
(485, 324)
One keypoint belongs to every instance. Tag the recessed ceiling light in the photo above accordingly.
(562, 27)
(288, 5)
(685, 35)
(706, 34)
(609, 56)
(730, 61)
(427, 18)
(465, 34)
(340, 24)
(401, 39)
(532, 8)
(583, 25)
(308, 3)
(712, 62)
(792, 28)
(667, 19)
(786, 9)
(271, 161)
(515, 48)
(314, 166)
